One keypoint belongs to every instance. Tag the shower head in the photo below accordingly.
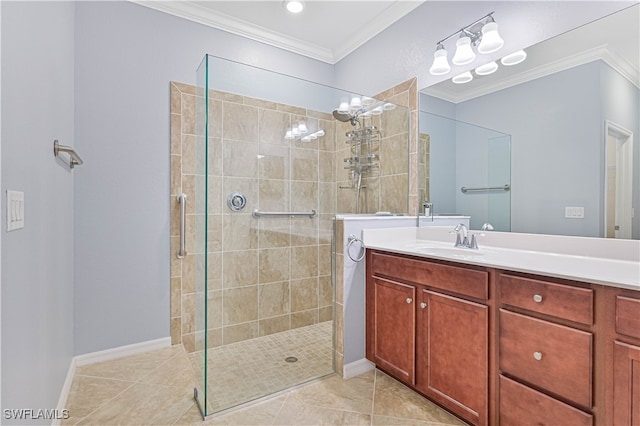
(345, 116)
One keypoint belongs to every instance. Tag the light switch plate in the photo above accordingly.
(15, 210)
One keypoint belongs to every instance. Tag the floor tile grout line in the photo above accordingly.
(107, 402)
(373, 394)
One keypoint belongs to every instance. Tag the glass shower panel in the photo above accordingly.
(197, 220)
(272, 151)
(469, 170)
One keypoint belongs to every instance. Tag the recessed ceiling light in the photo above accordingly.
(294, 6)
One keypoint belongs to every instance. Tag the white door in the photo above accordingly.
(618, 211)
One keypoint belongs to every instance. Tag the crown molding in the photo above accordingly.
(619, 64)
(197, 13)
(202, 15)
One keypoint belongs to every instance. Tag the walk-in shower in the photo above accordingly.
(259, 156)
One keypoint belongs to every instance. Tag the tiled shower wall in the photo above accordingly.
(277, 270)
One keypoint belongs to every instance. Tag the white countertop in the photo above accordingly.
(595, 260)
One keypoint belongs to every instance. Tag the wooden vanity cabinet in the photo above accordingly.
(546, 351)
(428, 326)
(624, 341)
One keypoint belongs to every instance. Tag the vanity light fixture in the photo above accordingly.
(294, 6)
(302, 132)
(465, 77)
(486, 38)
(514, 58)
(487, 69)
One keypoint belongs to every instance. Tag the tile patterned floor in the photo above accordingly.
(156, 388)
(251, 369)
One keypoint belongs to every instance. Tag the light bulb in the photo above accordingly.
(288, 135)
(306, 139)
(294, 6)
(464, 53)
(295, 131)
(440, 63)
(465, 77)
(344, 105)
(388, 106)
(487, 69)
(302, 127)
(320, 132)
(376, 111)
(313, 136)
(356, 103)
(514, 58)
(491, 40)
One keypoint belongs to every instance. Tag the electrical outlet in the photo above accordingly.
(15, 210)
(574, 212)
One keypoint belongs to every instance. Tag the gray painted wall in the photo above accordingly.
(126, 55)
(37, 261)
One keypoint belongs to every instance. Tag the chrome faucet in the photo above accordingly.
(461, 241)
(464, 241)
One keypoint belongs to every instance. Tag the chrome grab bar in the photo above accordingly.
(257, 213)
(182, 199)
(504, 187)
(74, 158)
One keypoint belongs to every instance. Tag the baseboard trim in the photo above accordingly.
(64, 393)
(356, 368)
(120, 351)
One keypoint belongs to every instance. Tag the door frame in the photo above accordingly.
(624, 177)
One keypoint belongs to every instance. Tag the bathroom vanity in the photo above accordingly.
(508, 335)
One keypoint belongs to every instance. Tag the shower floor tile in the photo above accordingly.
(251, 369)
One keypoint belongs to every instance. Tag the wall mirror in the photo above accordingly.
(571, 110)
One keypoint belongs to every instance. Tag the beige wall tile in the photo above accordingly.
(215, 118)
(176, 331)
(274, 300)
(304, 165)
(339, 315)
(304, 230)
(239, 158)
(306, 196)
(325, 291)
(304, 262)
(214, 338)
(176, 264)
(240, 122)
(185, 88)
(188, 313)
(239, 232)
(176, 99)
(273, 125)
(241, 305)
(176, 292)
(304, 294)
(240, 268)
(327, 198)
(394, 157)
(328, 141)
(274, 195)
(188, 114)
(274, 264)
(239, 332)
(215, 233)
(275, 325)
(324, 259)
(304, 318)
(260, 103)
(214, 271)
(325, 314)
(176, 134)
(274, 161)
(339, 278)
(214, 309)
(394, 193)
(274, 232)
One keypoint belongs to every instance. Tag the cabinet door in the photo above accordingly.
(626, 384)
(452, 348)
(394, 328)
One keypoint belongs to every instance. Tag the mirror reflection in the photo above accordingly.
(572, 112)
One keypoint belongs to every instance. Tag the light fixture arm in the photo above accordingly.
(465, 30)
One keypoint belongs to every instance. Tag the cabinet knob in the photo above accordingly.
(423, 305)
(537, 355)
(409, 300)
(537, 298)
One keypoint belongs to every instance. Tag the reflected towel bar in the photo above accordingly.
(182, 199)
(257, 213)
(74, 158)
(487, 188)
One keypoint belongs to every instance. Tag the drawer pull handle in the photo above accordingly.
(423, 305)
(537, 298)
(537, 355)
(409, 300)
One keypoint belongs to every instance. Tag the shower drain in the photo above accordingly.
(291, 359)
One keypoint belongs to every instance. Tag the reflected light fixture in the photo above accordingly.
(487, 69)
(294, 6)
(465, 77)
(514, 58)
(485, 38)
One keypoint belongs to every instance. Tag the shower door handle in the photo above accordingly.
(182, 199)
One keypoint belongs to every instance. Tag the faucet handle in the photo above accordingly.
(487, 227)
(474, 242)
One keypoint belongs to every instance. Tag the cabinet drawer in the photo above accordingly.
(521, 405)
(558, 300)
(465, 281)
(628, 316)
(548, 355)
